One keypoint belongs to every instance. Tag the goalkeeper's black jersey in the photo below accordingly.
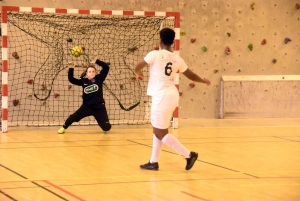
(92, 93)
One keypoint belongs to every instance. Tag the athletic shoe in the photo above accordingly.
(149, 166)
(61, 130)
(190, 161)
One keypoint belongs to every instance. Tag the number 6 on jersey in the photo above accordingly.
(168, 69)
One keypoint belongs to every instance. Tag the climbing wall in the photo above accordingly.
(236, 38)
(219, 38)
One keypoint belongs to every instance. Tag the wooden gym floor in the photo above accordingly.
(250, 159)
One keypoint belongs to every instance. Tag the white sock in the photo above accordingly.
(171, 141)
(156, 148)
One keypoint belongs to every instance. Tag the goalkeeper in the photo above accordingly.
(92, 96)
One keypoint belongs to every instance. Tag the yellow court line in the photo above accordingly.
(270, 184)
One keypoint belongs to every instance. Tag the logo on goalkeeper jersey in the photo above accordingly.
(90, 89)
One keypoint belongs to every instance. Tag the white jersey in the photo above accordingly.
(163, 67)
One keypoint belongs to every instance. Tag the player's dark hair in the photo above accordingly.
(83, 74)
(167, 36)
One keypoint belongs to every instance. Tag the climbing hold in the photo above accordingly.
(192, 84)
(274, 61)
(30, 81)
(83, 31)
(239, 70)
(215, 71)
(287, 40)
(204, 49)
(250, 46)
(56, 95)
(132, 49)
(70, 87)
(156, 47)
(264, 41)
(252, 5)
(228, 34)
(227, 50)
(180, 93)
(16, 102)
(43, 87)
(132, 79)
(15, 55)
(182, 33)
(193, 40)
(70, 40)
(297, 6)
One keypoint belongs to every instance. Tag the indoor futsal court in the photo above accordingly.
(238, 160)
(76, 119)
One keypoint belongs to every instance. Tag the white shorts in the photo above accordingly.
(162, 108)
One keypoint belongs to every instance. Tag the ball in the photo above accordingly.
(76, 51)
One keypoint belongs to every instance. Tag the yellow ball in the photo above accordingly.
(76, 51)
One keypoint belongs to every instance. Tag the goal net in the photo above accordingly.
(39, 48)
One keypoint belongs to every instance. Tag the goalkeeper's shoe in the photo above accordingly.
(61, 130)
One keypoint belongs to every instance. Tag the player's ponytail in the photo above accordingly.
(83, 74)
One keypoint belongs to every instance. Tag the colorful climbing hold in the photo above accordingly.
(193, 40)
(56, 95)
(192, 84)
(227, 50)
(287, 40)
(30, 81)
(16, 102)
(252, 5)
(274, 61)
(204, 49)
(132, 49)
(15, 55)
(250, 46)
(264, 41)
(228, 34)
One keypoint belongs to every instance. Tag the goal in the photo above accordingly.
(36, 48)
